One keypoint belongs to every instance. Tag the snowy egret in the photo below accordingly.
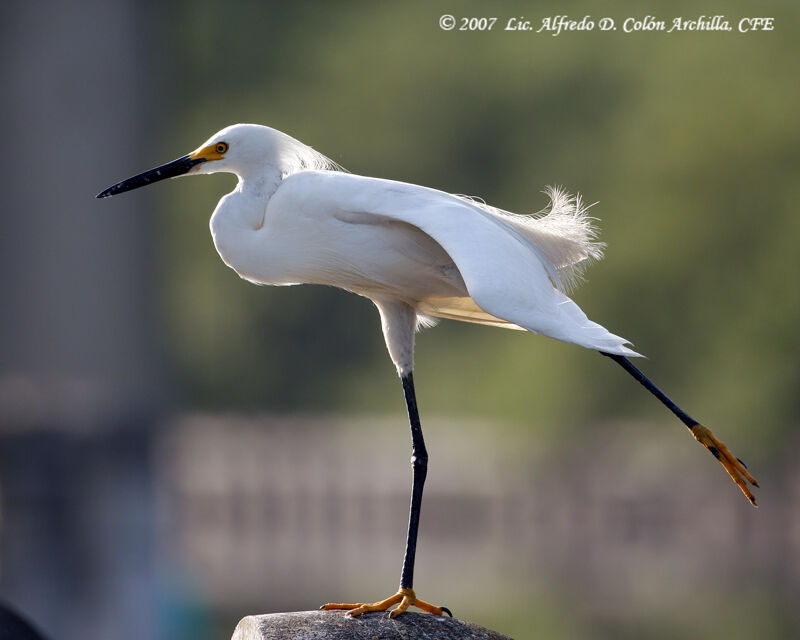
(419, 254)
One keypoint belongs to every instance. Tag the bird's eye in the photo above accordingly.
(221, 147)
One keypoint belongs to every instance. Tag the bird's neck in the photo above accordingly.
(237, 216)
(247, 204)
(259, 186)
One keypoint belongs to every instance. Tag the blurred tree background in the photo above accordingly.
(689, 142)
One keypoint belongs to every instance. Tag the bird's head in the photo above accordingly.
(239, 149)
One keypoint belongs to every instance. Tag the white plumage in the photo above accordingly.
(295, 217)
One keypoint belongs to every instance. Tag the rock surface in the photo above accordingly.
(335, 625)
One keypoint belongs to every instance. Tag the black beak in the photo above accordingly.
(170, 170)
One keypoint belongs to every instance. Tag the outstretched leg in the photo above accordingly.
(734, 466)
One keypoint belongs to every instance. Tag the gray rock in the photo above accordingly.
(335, 625)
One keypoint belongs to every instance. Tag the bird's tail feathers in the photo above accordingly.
(572, 325)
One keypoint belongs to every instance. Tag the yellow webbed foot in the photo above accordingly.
(736, 468)
(404, 599)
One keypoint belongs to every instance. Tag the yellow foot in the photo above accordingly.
(735, 467)
(405, 597)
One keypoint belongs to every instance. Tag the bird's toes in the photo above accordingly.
(735, 468)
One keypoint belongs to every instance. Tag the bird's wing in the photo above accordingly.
(464, 309)
(505, 272)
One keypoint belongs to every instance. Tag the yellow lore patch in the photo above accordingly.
(211, 152)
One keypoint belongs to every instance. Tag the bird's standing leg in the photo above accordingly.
(405, 596)
(419, 464)
(399, 322)
(736, 469)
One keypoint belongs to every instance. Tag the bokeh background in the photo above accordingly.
(179, 448)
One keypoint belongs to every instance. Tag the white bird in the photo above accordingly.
(418, 253)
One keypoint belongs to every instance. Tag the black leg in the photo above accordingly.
(736, 469)
(648, 384)
(405, 597)
(419, 463)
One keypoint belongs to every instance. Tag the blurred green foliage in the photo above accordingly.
(689, 141)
